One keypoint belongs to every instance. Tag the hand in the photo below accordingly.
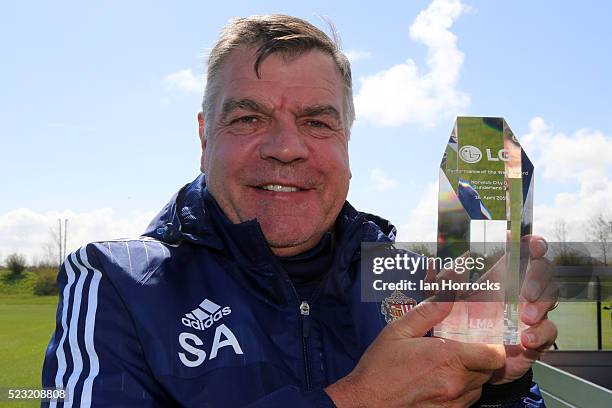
(538, 296)
(401, 368)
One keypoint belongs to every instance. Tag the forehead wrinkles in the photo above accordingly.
(279, 96)
(311, 68)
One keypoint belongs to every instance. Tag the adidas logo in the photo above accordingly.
(203, 316)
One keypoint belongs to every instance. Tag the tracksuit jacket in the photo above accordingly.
(195, 315)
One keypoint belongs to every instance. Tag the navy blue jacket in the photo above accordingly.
(195, 315)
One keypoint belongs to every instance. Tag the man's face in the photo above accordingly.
(278, 149)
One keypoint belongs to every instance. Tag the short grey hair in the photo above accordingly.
(275, 33)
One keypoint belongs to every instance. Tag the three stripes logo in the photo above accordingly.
(205, 315)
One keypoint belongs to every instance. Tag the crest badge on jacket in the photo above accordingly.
(396, 306)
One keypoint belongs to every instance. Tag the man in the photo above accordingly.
(245, 288)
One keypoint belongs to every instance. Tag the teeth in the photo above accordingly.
(279, 188)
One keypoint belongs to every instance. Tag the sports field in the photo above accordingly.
(577, 324)
(26, 324)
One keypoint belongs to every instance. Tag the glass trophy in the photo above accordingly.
(484, 210)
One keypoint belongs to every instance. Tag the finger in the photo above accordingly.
(537, 246)
(450, 273)
(430, 277)
(420, 319)
(495, 274)
(482, 357)
(533, 312)
(540, 336)
(537, 279)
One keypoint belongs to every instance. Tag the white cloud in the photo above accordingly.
(585, 158)
(29, 232)
(380, 181)
(357, 55)
(402, 94)
(575, 208)
(185, 80)
(423, 218)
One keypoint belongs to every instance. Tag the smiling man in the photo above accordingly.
(276, 148)
(245, 290)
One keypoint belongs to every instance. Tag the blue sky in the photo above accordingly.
(99, 101)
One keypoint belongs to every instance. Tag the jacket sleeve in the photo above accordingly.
(291, 396)
(294, 398)
(522, 393)
(94, 353)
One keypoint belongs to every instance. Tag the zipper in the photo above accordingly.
(305, 317)
(304, 309)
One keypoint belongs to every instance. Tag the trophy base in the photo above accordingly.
(510, 337)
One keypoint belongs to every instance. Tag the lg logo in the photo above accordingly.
(472, 154)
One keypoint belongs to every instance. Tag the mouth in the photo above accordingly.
(279, 188)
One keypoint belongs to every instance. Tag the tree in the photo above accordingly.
(565, 254)
(54, 249)
(46, 282)
(560, 231)
(600, 231)
(16, 263)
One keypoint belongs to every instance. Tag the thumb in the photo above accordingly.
(420, 319)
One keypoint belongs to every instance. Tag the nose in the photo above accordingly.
(284, 143)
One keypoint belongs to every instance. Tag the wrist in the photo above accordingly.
(344, 393)
(495, 395)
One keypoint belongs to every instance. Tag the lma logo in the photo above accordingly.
(205, 315)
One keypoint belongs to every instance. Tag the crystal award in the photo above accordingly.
(484, 210)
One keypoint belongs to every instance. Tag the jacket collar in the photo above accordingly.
(189, 217)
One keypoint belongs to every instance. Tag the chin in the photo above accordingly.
(283, 235)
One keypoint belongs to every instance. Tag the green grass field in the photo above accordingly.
(577, 324)
(26, 324)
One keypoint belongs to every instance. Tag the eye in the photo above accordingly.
(316, 124)
(246, 120)
(246, 124)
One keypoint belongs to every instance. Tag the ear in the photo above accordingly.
(202, 139)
